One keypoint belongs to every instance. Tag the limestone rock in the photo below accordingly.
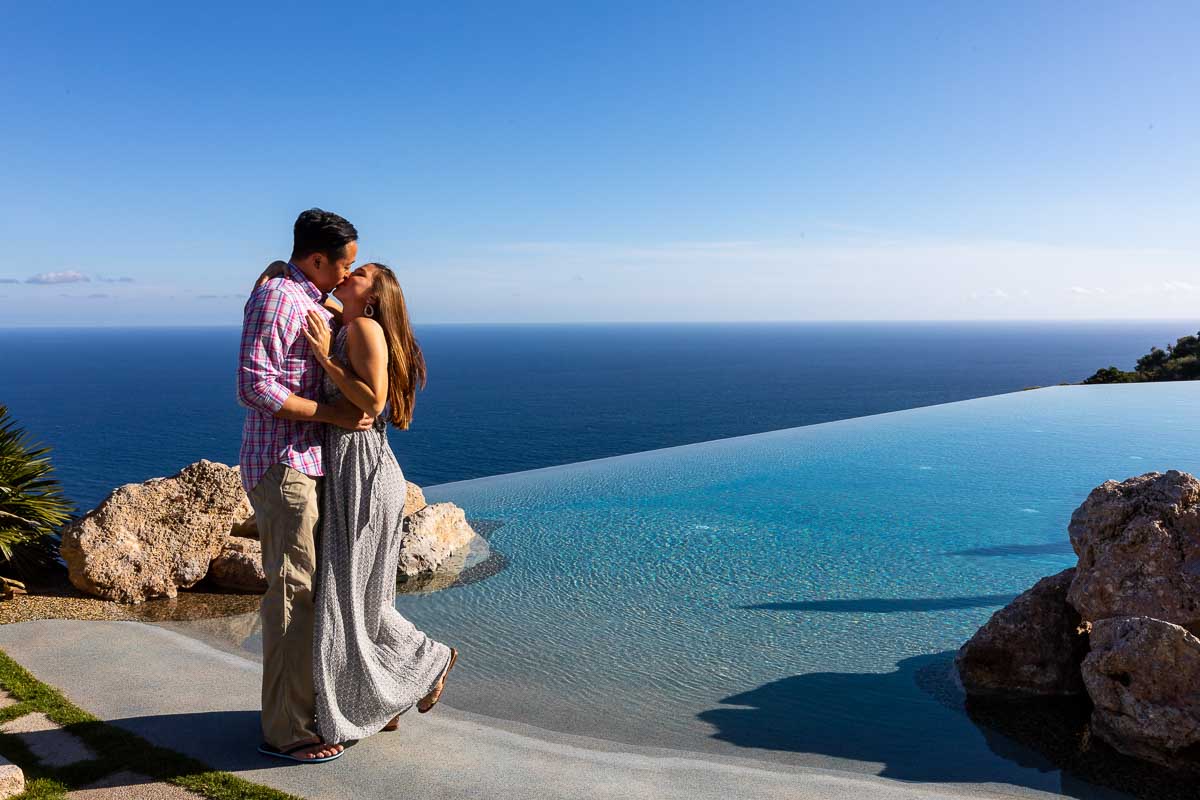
(12, 779)
(244, 524)
(1030, 647)
(1138, 543)
(414, 499)
(151, 539)
(239, 566)
(1143, 676)
(430, 536)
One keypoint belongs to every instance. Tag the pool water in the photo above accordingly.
(794, 595)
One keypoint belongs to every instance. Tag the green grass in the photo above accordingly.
(116, 750)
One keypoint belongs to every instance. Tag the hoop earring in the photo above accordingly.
(369, 311)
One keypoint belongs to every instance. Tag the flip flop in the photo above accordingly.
(442, 681)
(269, 750)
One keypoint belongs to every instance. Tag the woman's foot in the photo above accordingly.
(305, 750)
(430, 700)
(395, 723)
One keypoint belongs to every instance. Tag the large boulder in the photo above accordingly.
(1138, 544)
(1030, 647)
(244, 524)
(1143, 676)
(430, 536)
(434, 538)
(239, 566)
(414, 499)
(152, 539)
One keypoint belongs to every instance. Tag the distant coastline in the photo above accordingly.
(1179, 362)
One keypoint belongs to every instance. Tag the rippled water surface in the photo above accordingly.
(792, 595)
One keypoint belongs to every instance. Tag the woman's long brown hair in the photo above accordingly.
(406, 364)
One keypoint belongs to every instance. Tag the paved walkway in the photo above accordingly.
(182, 694)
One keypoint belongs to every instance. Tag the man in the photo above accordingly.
(278, 382)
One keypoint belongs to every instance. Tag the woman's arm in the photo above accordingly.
(366, 348)
(273, 270)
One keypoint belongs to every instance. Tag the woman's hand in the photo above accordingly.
(273, 270)
(351, 417)
(319, 336)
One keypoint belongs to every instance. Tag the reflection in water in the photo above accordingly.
(1055, 731)
(195, 604)
(475, 563)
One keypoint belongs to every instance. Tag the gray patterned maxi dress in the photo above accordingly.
(369, 662)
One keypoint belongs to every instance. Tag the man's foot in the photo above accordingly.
(394, 724)
(313, 750)
(430, 700)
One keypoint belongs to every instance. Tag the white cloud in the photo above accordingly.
(814, 278)
(69, 276)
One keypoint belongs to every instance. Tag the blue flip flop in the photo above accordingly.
(268, 750)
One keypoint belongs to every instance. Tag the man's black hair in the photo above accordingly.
(324, 232)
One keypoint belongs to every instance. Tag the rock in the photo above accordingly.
(152, 539)
(239, 566)
(430, 536)
(1143, 676)
(244, 524)
(414, 499)
(10, 588)
(1030, 647)
(12, 779)
(468, 563)
(1139, 550)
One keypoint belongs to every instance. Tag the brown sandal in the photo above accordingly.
(436, 693)
(395, 723)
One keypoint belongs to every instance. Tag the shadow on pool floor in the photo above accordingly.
(917, 723)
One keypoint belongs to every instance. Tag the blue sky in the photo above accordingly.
(612, 161)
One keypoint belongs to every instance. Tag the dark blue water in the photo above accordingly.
(125, 405)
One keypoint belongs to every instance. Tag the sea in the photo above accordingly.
(119, 405)
(755, 540)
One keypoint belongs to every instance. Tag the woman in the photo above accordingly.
(370, 663)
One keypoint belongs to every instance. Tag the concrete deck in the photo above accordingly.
(182, 694)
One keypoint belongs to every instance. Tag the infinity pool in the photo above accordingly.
(793, 595)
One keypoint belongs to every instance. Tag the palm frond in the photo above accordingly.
(32, 505)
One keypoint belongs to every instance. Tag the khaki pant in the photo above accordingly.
(286, 507)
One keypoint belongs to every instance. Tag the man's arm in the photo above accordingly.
(344, 416)
(266, 329)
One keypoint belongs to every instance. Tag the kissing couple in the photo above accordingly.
(339, 661)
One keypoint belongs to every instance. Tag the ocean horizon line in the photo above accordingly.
(615, 323)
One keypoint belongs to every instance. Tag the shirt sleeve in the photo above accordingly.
(266, 332)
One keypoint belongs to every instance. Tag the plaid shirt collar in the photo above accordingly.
(299, 277)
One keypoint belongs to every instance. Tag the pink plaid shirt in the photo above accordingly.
(275, 360)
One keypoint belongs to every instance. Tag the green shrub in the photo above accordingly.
(1112, 375)
(1179, 362)
(32, 505)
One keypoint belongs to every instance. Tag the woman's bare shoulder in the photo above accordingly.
(365, 331)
